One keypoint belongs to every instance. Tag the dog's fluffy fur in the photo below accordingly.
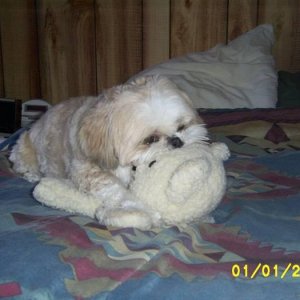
(95, 141)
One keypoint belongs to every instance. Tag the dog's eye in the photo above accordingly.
(151, 139)
(181, 127)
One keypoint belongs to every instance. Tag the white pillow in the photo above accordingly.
(238, 75)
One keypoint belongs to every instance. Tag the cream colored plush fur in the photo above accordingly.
(177, 187)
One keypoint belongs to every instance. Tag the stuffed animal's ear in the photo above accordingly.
(220, 150)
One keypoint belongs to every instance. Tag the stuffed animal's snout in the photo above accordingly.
(187, 179)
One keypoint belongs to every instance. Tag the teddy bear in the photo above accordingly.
(177, 187)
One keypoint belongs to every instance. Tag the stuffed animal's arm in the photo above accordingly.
(62, 194)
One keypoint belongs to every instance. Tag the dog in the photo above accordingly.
(96, 142)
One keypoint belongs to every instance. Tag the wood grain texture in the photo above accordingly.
(119, 41)
(242, 16)
(19, 49)
(156, 31)
(56, 49)
(67, 48)
(1, 72)
(197, 25)
(285, 17)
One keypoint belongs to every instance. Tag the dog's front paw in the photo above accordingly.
(120, 217)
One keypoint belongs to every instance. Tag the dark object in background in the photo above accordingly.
(288, 89)
(10, 115)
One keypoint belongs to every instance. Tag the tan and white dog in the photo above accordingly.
(96, 141)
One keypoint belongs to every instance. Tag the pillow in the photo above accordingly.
(288, 89)
(238, 75)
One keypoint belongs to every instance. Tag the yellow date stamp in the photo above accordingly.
(291, 270)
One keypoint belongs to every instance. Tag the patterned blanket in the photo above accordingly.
(251, 252)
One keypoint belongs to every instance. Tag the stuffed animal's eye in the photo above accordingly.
(181, 127)
(152, 163)
(151, 139)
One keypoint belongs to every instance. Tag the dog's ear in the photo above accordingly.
(95, 140)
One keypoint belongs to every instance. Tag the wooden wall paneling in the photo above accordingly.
(242, 17)
(119, 41)
(67, 48)
(156, 31)
(197, 25)
(1, 71)
(285, 17)
(19, 49)
(296, 51)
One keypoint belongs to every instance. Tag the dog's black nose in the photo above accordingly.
(176, 142)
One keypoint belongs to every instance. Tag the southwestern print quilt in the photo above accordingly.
(251, 252)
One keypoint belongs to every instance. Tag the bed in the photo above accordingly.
(251, 252)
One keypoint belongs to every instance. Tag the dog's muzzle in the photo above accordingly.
(176, 142)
